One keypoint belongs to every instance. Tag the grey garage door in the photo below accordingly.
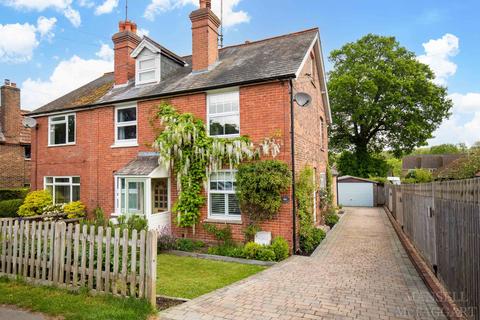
(359, 194)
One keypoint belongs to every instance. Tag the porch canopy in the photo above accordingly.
(144, 165)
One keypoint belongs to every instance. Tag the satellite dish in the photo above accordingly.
(303, 99)
(29, 122)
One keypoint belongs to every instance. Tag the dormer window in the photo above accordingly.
(147, 67)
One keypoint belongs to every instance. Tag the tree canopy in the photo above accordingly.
(382, 97)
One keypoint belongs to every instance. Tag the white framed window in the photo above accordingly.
(126, 125)
(130, 195)
(62, 130)
(147, 66)
(63, 189)
(223, 114)
(222, 200)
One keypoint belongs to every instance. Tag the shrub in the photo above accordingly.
(166, 242)
(251, 249)
(419, 176)
(13, 193)
(265, 253)
(260, 186)
(331, 219)
(53, 209)
(9, 208)
(189, 244)
(250, 232)
(74, 209)
(280, 248)
(133, 222)
(227, 250)
(34, 203)
(310, 239)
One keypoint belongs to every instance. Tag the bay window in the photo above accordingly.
(130, 196)
(63, 189)
(223, 203)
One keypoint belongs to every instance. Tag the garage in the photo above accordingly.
(356, 192)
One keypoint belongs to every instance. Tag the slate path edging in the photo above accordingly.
(219, 258)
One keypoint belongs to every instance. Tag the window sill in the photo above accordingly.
(124, 145)
(61, 145)
(223, 221)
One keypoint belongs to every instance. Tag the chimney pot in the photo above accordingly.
(7, 82)
(13, 84)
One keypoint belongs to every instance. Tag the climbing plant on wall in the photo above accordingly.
(184, 145)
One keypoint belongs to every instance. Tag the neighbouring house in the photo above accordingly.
(430, 162)
(15, 147)
(94, 144)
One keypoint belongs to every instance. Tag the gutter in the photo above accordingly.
(292, 147)
(161, 95)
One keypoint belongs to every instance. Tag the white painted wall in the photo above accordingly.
(359, 194)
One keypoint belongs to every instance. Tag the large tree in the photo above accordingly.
(382, 97)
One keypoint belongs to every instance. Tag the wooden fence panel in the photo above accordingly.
(443, 221)
(69, 255)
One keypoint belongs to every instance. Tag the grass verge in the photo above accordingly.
(69, 305)
(188, 277)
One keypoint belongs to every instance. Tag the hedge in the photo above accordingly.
(13, 193)
(9, 208)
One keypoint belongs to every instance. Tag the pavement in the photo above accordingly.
(360, 271)
(12, 313)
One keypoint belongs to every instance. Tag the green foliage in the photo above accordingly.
(310, 237)
(250, 232)
(251, 249)
(394, 167)
(280, 248)
(183, 142)
(189, 245)
(34, 203)
(419, 176)
(166, 242)
(464, 168)
(227, 250)
(221, 234)
(331, 219)
(260, 185)
(74, 210)
(9, 208)
(13, 193)
(132, 222)
(446, 148)
(361, 164)
(265, 254)
(382, 97)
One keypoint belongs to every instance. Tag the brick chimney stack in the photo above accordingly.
(125, 41)
(204, 36)
(10, 114)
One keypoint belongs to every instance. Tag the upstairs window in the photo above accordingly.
(148, 67)
(224, 114)
(62, 130)
(126, 125)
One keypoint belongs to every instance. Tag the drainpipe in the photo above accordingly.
(292, 147)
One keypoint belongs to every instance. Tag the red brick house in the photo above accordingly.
(93, 144)
(14, 139)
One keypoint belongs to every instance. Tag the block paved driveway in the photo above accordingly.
(361, 271)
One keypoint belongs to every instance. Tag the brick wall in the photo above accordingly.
(311, 140)
(14, 169)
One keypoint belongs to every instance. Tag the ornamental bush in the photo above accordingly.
(251, 249)
(331, 219)
(419, 176)
(13, 193)
(74, 210)
(34, 203)
(280, 248)
(9, 208)
(260, 185)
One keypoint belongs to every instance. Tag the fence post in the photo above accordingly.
(151, 267)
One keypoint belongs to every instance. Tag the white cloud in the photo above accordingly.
(64, 6)
(457, 130)
(105, 53)
(106, 7)
(17, 42)
(437, 55)
(45, 26)
(67, 76)
(86, 3)
(466, 103)
(142, 32)
(230, 16)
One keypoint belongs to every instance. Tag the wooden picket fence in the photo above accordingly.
(74, 256)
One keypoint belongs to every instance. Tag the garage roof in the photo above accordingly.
(349, 178)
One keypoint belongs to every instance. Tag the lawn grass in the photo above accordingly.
(187, 277)
(71, 306)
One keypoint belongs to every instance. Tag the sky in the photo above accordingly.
(50, 47)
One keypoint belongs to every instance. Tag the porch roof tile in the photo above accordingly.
(142, 165)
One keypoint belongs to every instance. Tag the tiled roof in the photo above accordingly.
(269, 59)
(143, 165)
